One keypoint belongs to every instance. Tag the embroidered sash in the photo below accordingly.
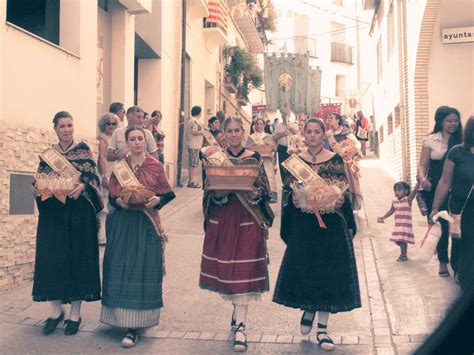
(127, 179)
(210, 138)
(64, 180)
(320, 193)
(346, 149)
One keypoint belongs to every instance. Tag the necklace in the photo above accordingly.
(235, 155)
(69, 146)
(137, 163)
(315, 156)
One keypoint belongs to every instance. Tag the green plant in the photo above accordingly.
(243, 68)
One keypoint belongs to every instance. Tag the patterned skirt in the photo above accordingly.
(133, 271)
(234, 255)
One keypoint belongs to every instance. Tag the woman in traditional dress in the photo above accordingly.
(234, 261)
(260, 138)
(107, 125)
(67, 254)
(337, 134)
(318, 272)
(296, 142)
(133, 260)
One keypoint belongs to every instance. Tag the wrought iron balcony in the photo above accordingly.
(341, 53)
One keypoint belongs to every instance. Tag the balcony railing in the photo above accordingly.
(341, 53)
(211, 24)
(306, 45)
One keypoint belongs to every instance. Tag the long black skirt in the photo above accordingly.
(67, 252)
(318, 271)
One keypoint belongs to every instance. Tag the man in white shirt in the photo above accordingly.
(194, 141)
(118, 148)
(280, 135)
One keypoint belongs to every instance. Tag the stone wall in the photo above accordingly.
(19, 149)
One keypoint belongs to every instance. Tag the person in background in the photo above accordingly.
(402, 235)
(107, 125)
(268, 127)
(280, 136)
(67, 254)
(275, 123)
(447, 133)
(371, 133)
(194, 142)
(259, 137)
(215, 128)
(118, 148)
(458, 175)
(160, 145)
(118, 109)
(158, 133)
(341, 133)
(362, 131)
(296, 142)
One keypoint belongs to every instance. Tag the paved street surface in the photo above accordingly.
(402, 302)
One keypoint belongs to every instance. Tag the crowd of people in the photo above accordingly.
(118, 205)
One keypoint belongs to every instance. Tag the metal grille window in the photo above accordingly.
(21, 195)
(390, 124)
(397, 116)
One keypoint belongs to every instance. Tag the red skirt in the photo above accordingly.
(233, 258)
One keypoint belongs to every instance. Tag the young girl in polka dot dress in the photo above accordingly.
(402, 235)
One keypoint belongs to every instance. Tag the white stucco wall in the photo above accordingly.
(451, 69)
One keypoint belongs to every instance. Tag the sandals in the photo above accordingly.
(194, 185)
(240, 338)
(402, 258)
(130, 339)
(306, 323)
(51, 324)
(72, 327)
(325, 342)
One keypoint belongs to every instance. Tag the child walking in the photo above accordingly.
(402, 235)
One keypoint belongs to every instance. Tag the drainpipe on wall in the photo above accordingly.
(402, 86)
(181, 100)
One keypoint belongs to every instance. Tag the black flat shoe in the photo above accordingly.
(306, 324)
(51, 324)
(72, 327)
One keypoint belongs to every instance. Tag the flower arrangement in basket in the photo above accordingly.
(53, 184)
(225, 174)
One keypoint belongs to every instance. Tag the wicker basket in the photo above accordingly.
(234, 178)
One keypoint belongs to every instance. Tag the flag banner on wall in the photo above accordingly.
(326, 109)
(313, 92)
(286, 82)
(218, 13)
